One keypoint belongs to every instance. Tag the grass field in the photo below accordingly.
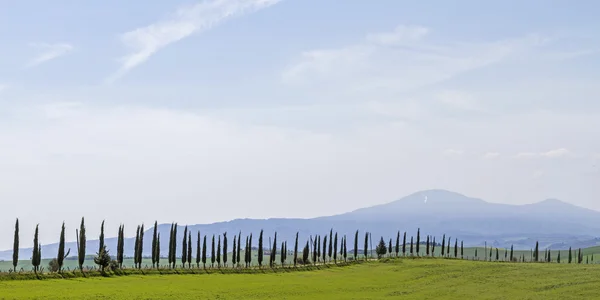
(395, 279)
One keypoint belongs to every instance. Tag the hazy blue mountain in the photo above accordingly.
(554, 223)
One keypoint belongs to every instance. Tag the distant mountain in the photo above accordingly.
(553, 223)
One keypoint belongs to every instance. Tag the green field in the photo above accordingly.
(395, 279)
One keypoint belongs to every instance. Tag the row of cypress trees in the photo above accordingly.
(324, 249)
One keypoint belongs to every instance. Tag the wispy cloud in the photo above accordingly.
(145, 41)
(49, 52)
(491, 155)
(556, 153)
(452, 152)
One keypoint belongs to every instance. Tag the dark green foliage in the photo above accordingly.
(448, 245)
(558, 257)
(273, 251)
(579, 257)
(404, 244)
(497, 256)
(427, 247)
(491, 253)
(184, 247)
(61, 248)
(411, 246)
(390, 249)
(174, 245)
(325, 249)
(225, 249)
(204, 252)
(330, 243)
(319, 247)
(418, 240)
(570, 255)
(140, 247)
(443, 245)
(136, 245)
(462, 252)
(239, 248)
(102, 258)
(549, 256)
(455, 248)
(120, 245)
(305, 254)
(219, 252)
(511, 252)
(234, 252)
(366, 251)
(335, 246)
(36, 256)
(81, 243)
(250, 251)
(283, 254)
(296, 250)
(189, 252)
(260, 249)
(314, 252)
(381, 248)
(154, 240)
(212, 252)
(536, 252)
(101, 238)
(246, 252)
(433, 247)
(16, 246)
(475, 252)
(171, 237)
(345, 249)
(158, 250)
(397, 243)
(356, 246)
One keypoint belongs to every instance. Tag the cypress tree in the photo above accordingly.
(61, 248)
(36, 248)
(154, 240)
(475, 253)
(212, 252)
(455, 247)
(305, 254)
(511, 253)
(184, 247)
(136, 246)
(198, 251)
(170, 245)
(558, 258)
(418, 241)
(239, 248)
(246, 253)
(411, 246)
(536, 252)
(462, 253)
(81, 243)
(219, 252)
(296, 250)
(204, 252)
(587, 259)
(189, 252)
(549, 255)
(490, 253)
(273, 251)
(325, 249)
(443, 244)
(335, 245)
(579, 257)
(174, 245)
(234, 252)
(141, 247)
(330, 243)
(345, 248)
(397, 243)
(427, 247)
(16, 246)
(448, 245)
(570, 255)
(433, 247)
(314, 256)
(260, 249)
(101, 238)
(356, 246)
(225, 249)
(282, 257)
(366, 251)
(158, 251)
(390, 248)
(250, 251)
(120, 245)
(404, 245)
(318, 248)
(497, 256)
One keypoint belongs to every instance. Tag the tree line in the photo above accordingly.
(329, 248)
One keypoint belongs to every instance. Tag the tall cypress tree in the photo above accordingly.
(16, 246)
(325, 249)
(101, 238)
(476, 253)
(239, 248)
(558, 257)
(345, 248)
(154, 239)
(356, 245)
(36, 248)
(418, 240)
(511, 253)
(260, 249)
(273, 251)
(330, 243)
(390, 248)
(136, 247)
(61, 248)
(579, 257)
(305, 254)
(462, 253)
(120, 245)
(335, 246)
(433, 247)
(184, 247)
(189, 251)
(296, 250)
(204, 252)
(404, 245)
(158, 251)
(491, 253)
(314, 254)
(81, 243)
(234, 252)
(455, 247)
(250, 251)
(212, 252)
(411, 246)
(443, 244)
(198, 251)
(219, 251)
(318, 248)
(427, 246)
(282, 257)
(366, 252)
(225, 249)
(570, 255)
(171, 245)
(397, 243)
(536, 251)
(448, 245)
(141, 248)
(497, 256)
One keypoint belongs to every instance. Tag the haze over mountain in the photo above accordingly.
(554, 223)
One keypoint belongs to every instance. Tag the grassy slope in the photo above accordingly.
(406, 279)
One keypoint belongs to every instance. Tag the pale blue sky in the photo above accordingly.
(338, 104)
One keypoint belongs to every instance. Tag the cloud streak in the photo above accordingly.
(49, 52)
(556, 153)
(145, 41)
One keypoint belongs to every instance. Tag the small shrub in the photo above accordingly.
(53, 266)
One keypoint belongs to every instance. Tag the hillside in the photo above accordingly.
(554, 223)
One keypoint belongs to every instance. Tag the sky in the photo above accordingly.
(204, 111)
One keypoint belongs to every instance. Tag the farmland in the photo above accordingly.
(393, 278)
